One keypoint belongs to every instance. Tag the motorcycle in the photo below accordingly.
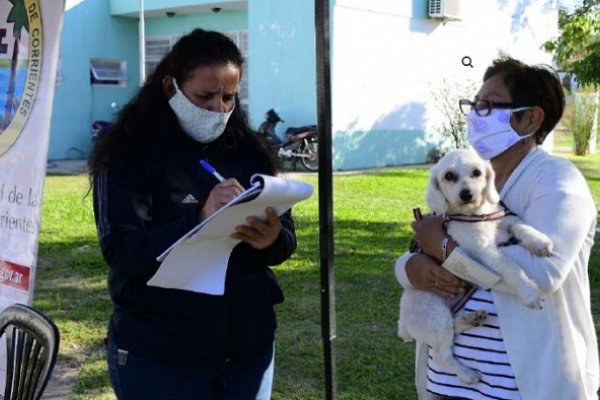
(300, 143)
(100, 127)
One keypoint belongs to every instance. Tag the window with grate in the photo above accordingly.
(240, 38)
(158, 46)
(108, 72)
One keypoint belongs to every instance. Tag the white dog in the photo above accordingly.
(462, 184)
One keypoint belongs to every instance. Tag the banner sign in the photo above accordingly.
(29, 42)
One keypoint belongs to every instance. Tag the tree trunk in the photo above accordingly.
(10, 94)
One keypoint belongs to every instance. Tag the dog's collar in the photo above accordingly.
(477, 218)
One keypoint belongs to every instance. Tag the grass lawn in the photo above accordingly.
(372, 216)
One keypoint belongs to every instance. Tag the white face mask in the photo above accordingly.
(492, 134)
(201, 125)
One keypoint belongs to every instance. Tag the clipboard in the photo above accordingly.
(198, 260)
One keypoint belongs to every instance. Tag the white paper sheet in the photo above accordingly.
(198, 261)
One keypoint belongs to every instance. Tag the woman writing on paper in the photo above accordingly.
(149, 190)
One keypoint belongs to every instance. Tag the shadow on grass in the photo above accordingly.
(372, 362)
(71, 289)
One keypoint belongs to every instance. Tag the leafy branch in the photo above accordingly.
(577, 49)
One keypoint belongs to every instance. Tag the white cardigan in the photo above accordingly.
(553, 351)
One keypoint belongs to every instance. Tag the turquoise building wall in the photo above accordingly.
(89, 32)
(181, 24)
(281, 68)
(282, 71)
(120, 7)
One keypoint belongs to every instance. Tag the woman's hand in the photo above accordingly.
(258, 234)
(424, 273)
(220, 195)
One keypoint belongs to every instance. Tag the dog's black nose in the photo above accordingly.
(465, 195)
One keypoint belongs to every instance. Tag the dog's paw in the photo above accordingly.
(531, 298)
(475, 318)
(403, 333)
(542, 247)
(464, 320)
(536, 304)
(480, 317)
(533, 240)
(405, 338)
(468, 376)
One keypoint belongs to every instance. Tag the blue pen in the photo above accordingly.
(211, 170)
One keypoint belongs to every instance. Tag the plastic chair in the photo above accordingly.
(32, 344)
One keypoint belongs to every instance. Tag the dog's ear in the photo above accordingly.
(435, 198)
(491, 194)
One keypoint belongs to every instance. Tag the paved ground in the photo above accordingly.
(62, 381)
(68, 167)
(78, 167)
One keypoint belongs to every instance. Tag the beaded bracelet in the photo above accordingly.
(445, 247)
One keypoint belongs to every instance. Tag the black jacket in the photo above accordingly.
(140, 211)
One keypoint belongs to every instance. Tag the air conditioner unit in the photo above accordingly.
(444, 9)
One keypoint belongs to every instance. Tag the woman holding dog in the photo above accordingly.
(521, 353)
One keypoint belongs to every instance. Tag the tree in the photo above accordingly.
(577, 49)
(18, 16)
(577, 52)
(445, 97)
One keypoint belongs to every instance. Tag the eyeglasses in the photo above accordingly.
(483, 108)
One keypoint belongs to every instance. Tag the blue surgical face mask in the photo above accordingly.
(201, 125)
(493, 134)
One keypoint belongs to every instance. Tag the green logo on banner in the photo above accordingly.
(20, 66)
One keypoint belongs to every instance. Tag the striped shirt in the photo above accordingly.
(482, 349)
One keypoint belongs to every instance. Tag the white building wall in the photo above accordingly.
(388, 58)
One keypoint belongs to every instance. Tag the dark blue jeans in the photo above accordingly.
(140, 378)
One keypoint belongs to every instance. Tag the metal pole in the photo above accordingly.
(142, 45)
(328, 331)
